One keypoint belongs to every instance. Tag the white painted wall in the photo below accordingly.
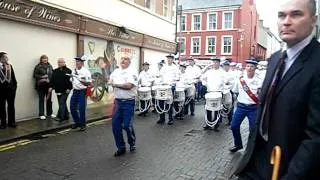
(25, 44)
(122, 14)
(153, 58)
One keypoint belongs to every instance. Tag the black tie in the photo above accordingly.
(270, 95)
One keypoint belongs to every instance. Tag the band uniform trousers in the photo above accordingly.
(63, 112)
(242, 111)
(122, 118)
(7, 97)
(143, 106)
(78, 105)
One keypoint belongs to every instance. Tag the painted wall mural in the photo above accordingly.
(103, 56)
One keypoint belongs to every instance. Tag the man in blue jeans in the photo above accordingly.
(124, 82)
(248, 87)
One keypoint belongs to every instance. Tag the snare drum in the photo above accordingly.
(227, 98)
(163, 93)
(179, 95)
(144, 93)
(213, 101)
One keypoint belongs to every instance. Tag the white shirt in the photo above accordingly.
(193, 72)
(169, 74)
(295, 51)
(214, 80)
(122, 76)
(230, 79)
(77, 75)
(254, 84)
(145, 78)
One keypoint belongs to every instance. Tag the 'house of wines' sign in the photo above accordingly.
(27, 11)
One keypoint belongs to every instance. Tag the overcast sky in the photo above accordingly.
(267, 10)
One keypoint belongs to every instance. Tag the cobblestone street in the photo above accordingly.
(182, 151)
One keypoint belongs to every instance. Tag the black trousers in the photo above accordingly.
(63, 112)
(7, 98)
(44, 97)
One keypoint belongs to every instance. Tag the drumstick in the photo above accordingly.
(275, 161)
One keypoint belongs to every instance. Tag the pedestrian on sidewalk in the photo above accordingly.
(61, 84)
(8, 87)
(248, 87)
(288, 115)
(42, 74)
(81, 79)
(124, 82)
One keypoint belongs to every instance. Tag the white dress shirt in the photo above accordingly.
(193, 72)
(169, 74)
(254, 84)
(80, 74)
(214, 80)
(145, 78)
(122, 76)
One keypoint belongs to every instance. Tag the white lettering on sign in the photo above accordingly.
(9, 7)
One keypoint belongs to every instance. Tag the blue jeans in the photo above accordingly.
(122, 118)
(78, 105)
(242, 111)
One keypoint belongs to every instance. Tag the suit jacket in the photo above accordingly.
(295, 117)
(12, 85)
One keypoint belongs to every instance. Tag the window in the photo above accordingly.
(165, 8)
(226, 45)
(212, 21)
(195, 45)
(211, 45)
(196, 22)
(182, 45)
(183, 23)
(227, 20)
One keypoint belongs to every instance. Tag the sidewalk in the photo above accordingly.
(36, 126)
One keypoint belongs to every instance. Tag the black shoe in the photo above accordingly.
(82, 128)
(142, 114)
(160, 121)
(12, 125)
(2, 126)
(74, 126)
(170, 122)
(192, 114)
(119, 153)
(215, 129)
(133, 148)
(235, 149)
(206, 127)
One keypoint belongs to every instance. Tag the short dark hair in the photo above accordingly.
(313, 7)
(2, 54)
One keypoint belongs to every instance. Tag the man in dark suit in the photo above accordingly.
(8, 87)
(289, 110)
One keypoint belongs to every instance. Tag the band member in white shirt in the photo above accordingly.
(193, 72)
(145, 79)
(81, 79)
(230, 78)
(168, 74)
(248, 87)
(124, 82)
(215, 81)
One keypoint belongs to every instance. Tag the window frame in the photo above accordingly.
(208, 22)
(224, 19)
(200, 19)
(191, 52)
(207, 45)
(222, 45)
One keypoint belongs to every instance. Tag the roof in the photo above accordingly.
(198, 4)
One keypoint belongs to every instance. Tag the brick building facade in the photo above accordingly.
(219, 28)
